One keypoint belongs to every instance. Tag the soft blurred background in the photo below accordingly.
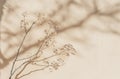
(91, 26)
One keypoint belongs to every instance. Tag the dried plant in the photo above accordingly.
(88, 9)
(47, 56)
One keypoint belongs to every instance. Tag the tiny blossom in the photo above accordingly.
(60, 61)
(66, 50)
(55, 65)
(56, 51)
(70, 49)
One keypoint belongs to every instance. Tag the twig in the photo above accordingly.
(33, 71)
(11, 72)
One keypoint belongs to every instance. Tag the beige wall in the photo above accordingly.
(96, 39)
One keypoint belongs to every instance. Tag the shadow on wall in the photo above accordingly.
(2, 2)
(90, 9)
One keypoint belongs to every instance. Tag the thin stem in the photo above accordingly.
(33, 71)
(21, 44)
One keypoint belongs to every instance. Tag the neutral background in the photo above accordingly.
(98, 51)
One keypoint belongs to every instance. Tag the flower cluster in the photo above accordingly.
(47, 55)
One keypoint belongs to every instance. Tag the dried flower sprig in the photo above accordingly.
(40, 60)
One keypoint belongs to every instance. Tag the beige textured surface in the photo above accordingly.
(98, 47)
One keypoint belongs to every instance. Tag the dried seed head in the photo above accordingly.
(55, 65)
